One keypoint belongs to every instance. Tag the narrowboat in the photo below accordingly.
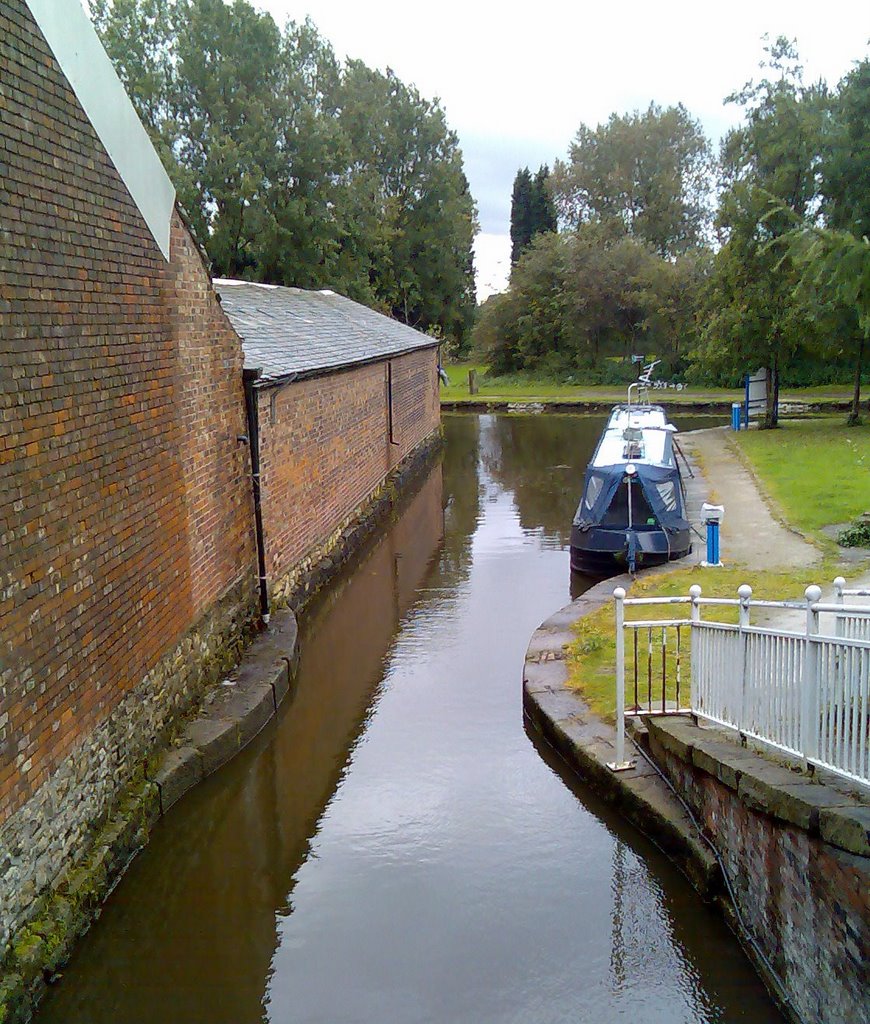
(632, 512)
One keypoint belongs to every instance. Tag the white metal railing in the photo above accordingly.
(802, 687)
(850, 625)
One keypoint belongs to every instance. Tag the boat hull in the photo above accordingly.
(600, 551)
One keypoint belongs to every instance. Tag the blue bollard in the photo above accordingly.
(712, 516)
(735, 415)
(712, 542)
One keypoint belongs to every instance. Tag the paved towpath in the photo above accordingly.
(750, 534)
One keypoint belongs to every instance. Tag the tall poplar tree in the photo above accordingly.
(532, 209)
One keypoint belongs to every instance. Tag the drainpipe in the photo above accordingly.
(250, 379)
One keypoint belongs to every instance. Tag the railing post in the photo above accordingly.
(744, 592)
(694, 642)
(620, 764)
(839, 599)
(810, 679)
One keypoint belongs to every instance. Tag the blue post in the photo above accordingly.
(712, 542)
(735, 415)
(712, 516)
(746, 403)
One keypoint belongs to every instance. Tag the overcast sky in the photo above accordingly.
(517, 81)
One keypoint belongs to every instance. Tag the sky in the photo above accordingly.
(516, 81)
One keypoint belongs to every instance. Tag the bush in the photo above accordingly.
(857, 535)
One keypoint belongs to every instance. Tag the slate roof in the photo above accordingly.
(290, 332)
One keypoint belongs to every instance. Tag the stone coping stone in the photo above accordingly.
(838, 818)
(234, 713)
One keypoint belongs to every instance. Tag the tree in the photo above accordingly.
(405, 169)
(834, 267)
(521, 214)
(297, 170)
(647, 173)
(769, 178)
(580, 297)
(837, 260)
(532, 209)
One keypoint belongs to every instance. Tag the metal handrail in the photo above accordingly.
(798, 691)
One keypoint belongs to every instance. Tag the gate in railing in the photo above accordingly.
(801, 688)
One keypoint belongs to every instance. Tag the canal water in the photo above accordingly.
(395, 848)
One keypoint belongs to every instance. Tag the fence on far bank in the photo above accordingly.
(799, 687)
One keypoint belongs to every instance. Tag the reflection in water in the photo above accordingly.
(394, 848)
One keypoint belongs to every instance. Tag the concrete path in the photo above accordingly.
(751, 534)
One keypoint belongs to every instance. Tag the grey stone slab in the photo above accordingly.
(767, 789)
(180, 770)
(249, 710)
(723, 761)
(217, 740)
(544, 676)
(259, 671)
(558, 704)
(674, 735)
(847, 828)
(547, 643)
(587, 732)
(562, 620)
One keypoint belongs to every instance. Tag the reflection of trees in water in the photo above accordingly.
(542, 459)
(461, 495)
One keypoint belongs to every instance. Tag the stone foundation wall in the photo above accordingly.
(83, 791)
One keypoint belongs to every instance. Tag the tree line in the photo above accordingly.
(296, 168)
(717, 264)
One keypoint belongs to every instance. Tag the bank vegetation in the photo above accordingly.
(716, 264)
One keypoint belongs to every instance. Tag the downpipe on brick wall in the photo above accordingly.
(251, 410)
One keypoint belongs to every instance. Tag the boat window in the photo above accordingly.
(617, 513)
(593, 489)
(668, 491)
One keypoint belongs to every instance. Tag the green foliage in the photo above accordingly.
(855, 536)
(577, 298)
(645, 174)
(751, 317)
(294, 168)
(532, 209)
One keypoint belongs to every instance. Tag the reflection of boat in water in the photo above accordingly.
(631, 514)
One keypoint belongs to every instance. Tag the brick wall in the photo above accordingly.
(325, 446)
(125, 513)
(805, 901)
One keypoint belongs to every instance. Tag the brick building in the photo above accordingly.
(130, 566)
(341, 395)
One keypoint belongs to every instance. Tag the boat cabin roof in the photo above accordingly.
(639, 433)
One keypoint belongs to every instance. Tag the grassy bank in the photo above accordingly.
(519, 388)
(818, 471)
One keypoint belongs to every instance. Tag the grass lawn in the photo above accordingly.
(521, 388)
(592, 654)
(817, 470)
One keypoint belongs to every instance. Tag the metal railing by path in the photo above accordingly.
(856, 626)
(800, 687)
